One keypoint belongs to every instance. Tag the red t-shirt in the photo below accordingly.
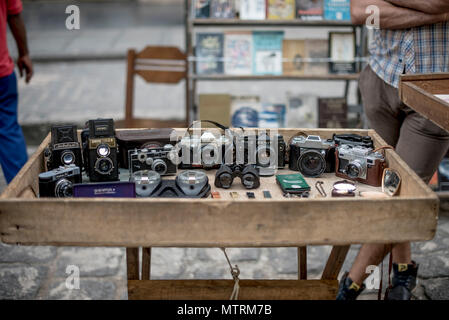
(7, 7)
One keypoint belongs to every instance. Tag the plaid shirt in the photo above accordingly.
(415, 50)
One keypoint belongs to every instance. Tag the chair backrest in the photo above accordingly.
(154, 64)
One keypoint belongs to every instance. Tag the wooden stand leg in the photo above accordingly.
(132, 263)
(146, 263)
(335, 262)
(302, 263)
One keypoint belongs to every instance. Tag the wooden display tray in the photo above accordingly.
(418, 92)
(243, 222)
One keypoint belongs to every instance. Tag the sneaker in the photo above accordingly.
(403, 282)
(348, 290)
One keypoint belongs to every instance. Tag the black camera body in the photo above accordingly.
(58, 183)
(312, 156)
(258, 149)
(64, 148)
(153, 159)
(100, 151)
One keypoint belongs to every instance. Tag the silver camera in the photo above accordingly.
(207, 151)
(361, 163)
(311, 155)
(155, 159)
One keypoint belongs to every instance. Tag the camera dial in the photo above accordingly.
(103, 150)
(63, 189)
(67, 157)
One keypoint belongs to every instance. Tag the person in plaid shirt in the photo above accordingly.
(413, 38)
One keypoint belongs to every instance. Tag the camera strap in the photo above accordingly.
(383, 148)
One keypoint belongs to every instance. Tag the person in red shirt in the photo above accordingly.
(13, 154)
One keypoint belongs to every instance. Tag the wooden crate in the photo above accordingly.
(418, 92)
(226, 222)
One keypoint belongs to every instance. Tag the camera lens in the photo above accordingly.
(104, 166)
(63, 189)
(354, 170)
(248, 181)
(159, 166)
(264, 156)
(311, 163)
(67, 158)
(103, 150)
(226, 180)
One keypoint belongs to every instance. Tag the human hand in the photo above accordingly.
(24, 63)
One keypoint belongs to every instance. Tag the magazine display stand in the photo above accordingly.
(191, 24)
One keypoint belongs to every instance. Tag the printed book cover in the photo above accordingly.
(294, 55)
(222, 9)
(309, 9)
(201, 8)
(252, 9)
(317, 53)
(267, 52)
(209, 53)
(332, 112)
(245, 111)
(337, 10)
(281, 9)
(238, 53)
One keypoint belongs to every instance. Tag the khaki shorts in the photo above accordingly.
(418, 141)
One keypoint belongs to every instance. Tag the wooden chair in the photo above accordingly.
(155, 65)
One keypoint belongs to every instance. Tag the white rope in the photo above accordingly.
(235, 272)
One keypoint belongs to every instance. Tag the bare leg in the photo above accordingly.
(402, 253)
(369, 254)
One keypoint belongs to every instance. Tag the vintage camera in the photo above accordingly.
(58, 183)
(100, 150)
(311, 155)
(248, 174)
(353, 140)
(188, 184)
(360, 164)
(141, 139)
(155, 159)
(261, 150)
(64, 148)
(206, 151)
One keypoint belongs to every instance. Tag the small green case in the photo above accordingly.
(292, 183)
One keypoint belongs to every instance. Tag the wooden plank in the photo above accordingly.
(129, 99)
(162, 53)
(152, 76)
(302, 263)
(335, 262)
(426, 104)
(132, 263)
(268, 23)
(146, 263)
(217, 223)
(328, 77)
(148, 123)
(222, 289)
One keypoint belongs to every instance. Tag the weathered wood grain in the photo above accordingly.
(222, 289)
